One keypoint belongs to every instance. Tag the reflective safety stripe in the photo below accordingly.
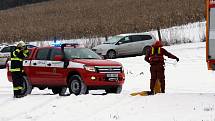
(25, 53)
(15, 51)
(18, 88)
(14, 54)
(17, 59)
(153, 50)
(159, 50)
(14, 70)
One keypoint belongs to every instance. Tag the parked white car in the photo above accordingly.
(125, 44)
(5, 51)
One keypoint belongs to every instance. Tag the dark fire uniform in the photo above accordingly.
(155, 57)
(17, 57)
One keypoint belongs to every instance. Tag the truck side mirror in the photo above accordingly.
(58, 58)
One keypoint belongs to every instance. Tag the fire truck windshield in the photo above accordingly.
(80, 53)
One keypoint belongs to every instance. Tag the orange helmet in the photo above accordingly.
(157, 44)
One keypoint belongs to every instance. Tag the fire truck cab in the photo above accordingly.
(210, 34)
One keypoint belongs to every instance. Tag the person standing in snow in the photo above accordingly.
(16, 69)
(154, 56)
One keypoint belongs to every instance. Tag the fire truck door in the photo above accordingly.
(211, 46)
(55, 72)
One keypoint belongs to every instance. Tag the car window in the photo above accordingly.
(125, 40)
(5, 49)
(80, 53)
(136, 38)
(146, 37)
(12, 48)
(54, 53)
(8, 49)
(42, 54)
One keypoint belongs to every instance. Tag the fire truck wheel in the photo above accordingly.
(116, 89)
(77, 86)
(59, 90)
(27, 86)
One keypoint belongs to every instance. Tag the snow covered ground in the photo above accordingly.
(190, 95)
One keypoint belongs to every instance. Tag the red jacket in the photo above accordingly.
(155, 55)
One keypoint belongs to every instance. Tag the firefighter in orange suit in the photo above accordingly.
(154, 56)
(16, 69)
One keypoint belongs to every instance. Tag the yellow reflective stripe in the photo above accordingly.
(25, 54)
(14, 70)
(159, 50)
(18, 88)
(15, 51)
(25, 51)
(16, 59)
(153, 50)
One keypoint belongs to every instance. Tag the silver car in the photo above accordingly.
(125, 44)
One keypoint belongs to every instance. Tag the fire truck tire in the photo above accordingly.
(42, 88)
(59, 90)
(115, 90)
(27, 86)
(77, 86)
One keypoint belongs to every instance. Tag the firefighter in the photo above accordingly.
(16, 69)
(154, 56)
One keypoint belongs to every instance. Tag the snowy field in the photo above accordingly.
(190, 95)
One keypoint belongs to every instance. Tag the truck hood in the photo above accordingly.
(94, 62)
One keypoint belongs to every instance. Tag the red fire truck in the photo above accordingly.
(69, 66)
(210, 33)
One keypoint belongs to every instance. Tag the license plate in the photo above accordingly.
(112, 75)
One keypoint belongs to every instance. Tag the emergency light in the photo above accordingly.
(56, 44)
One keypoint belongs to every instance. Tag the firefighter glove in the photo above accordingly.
(177, 59)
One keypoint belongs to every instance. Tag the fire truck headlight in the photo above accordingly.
(90, 68)
(122, 69)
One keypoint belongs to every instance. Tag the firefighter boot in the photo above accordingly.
(17, 94)
(162, 91)
(151, 92)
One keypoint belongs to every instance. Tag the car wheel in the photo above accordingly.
(56, 90)
(111, 54)
(77, 86)
(59, 90)
(27, 86)
(116, 89)
(145, 49)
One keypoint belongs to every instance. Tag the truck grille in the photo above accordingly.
(109, 69)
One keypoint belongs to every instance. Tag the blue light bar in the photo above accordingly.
(56, 44)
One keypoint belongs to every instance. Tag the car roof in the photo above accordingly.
(129, 34)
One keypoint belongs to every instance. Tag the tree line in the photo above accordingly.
(6, 4)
